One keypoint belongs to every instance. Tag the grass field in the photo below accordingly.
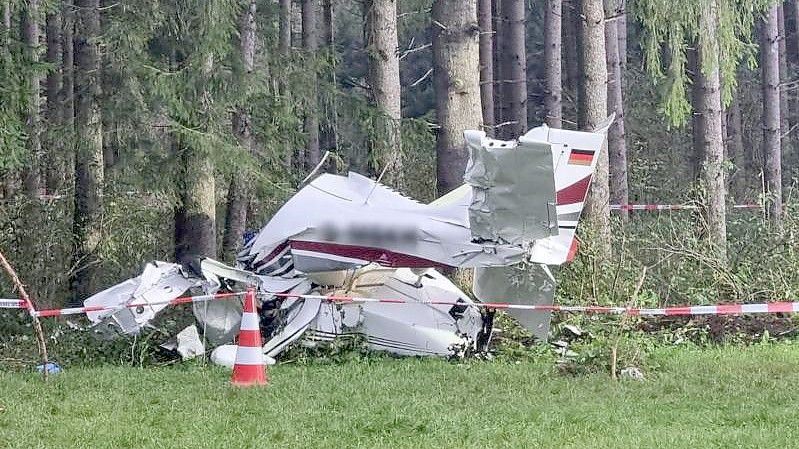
(723, 397)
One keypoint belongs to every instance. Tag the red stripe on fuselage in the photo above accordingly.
(380, 256)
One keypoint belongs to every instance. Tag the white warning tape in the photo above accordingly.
(651, 207)
(719, 309)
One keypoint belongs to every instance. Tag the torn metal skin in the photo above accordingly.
(513, 222)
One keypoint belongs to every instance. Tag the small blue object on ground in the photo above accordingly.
(52, 368)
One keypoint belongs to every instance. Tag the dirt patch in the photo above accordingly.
(725, 328)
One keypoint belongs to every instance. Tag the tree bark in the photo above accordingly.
(485, 21)
(284, 27)
(67, 94)
(697, 119)
(238, 200)
(713, 143)
(593, 110)
(328, 133)
(89, 170)
(327, 23)
(383, 77)
(552, 63)
(195, 218)
(310, 43)
(513, 61)
(772, 150)
(784, 122)
(456, 58)
(7, 19)
(30, 35)
(571, 32)
(735, 148)
(55, 149)
(617, 146)
(621, 25)
(496, 23)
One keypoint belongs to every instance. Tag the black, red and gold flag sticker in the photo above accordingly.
(581, 157)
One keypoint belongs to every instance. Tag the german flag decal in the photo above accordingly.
(581, 157)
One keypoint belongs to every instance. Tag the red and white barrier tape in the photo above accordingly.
(12, 304)
(20, 304)
(720, 309)
(650, 207)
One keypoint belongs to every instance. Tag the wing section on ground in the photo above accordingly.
(518, 284)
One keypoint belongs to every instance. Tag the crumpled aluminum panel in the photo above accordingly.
(519, 284)
(513, 194)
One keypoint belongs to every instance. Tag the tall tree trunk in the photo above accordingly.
(772, 150)
(456, 57)
(713, 143)
(67, 94)
(697, 78)
(571, 51)
(327, 24)
(621, 26)
(89, 170)
(513, 59)
(195, 218)
(310, 43)
(238, 200)
(383, 77)
(328, 133)
(552, 63)
(593, 110)
(284, 48)
(284, 27)
(617, 146)
(485, 20)
(795, 11)
(784, 124)
(497, 26)
(736, 149)
(7, 19)
(55, 152)
(30, 34)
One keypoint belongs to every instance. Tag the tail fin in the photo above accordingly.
(575, 155)
(513, 189)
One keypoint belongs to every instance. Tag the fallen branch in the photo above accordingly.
(37, 325)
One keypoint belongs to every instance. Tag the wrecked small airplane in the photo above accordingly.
(513, 222)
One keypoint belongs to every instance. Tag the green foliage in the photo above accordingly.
(14, 71)
(672, 27)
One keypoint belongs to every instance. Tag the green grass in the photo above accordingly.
(722, 397)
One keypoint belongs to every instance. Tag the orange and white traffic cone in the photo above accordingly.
(249, 368)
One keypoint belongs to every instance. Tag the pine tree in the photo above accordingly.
(593, 110)
(617, 146)
(456, 57)
(383, 78)
(513, 69)
(239, 191)
(552, 63)
(486, 23)
(55, 161)
(89, 168)
(310, 42)
(30, 32)
(712, 139)
(772, 149)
